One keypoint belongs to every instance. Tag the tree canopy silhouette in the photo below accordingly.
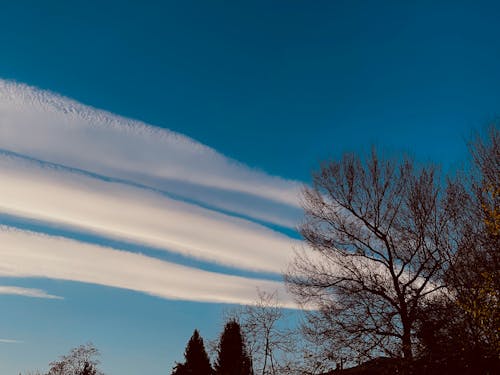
(232, 355)
(88, 369)
(196, 358)
(460, 331)
(82, 360)
(400, 262)
(378, 230)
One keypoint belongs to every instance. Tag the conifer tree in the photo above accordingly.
(233, 358)
(196, 358)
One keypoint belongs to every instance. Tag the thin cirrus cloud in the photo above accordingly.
(30, 254)
(55, 195)
(27, 292)
(65, 132)
(10, 341)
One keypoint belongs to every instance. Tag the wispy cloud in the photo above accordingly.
(51, 128)
(26, 292)
(29, 254)
(10, 341)
(119, 211)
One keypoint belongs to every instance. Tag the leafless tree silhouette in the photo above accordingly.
(81, 360)
(272, 344)
(376, 233)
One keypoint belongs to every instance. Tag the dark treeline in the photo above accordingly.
(232, 355)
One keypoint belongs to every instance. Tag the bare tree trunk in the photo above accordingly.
(266, 352)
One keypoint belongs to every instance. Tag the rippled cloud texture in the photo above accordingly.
(66, 165)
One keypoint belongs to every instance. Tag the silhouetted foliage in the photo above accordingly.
(88, 369)
(232, 355)
(82, 360)
(377, 366)
(475, 275)
(196, 358)
(459, 332)
(446, 342)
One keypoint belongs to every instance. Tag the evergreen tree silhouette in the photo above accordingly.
(233, 358)
(196, 358)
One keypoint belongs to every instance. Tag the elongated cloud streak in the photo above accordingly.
(26, 292)
(10, 341)
(65, 132)
(27, 254)
(114, 210)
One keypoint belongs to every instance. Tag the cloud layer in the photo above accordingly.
(122, 212)
(65, 132)
(69, 166)
(29, 254)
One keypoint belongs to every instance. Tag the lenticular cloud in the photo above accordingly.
(54, 129)
(63, 197)
(67, 165)
(28, 254)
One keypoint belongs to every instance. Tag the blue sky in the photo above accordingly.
(276, 86)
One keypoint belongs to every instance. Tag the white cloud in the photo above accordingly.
(10, 341)
(36, 191)
(68, 165)
(28, 254)
(26, 292)
(48, 127)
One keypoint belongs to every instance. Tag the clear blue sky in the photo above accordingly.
(276, 85)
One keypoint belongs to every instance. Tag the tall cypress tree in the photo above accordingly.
(233, 358)
(196, 358)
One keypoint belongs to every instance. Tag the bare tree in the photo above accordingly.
(459, 329)
(486, 193)
(82, 360)
(485, 304)
(474, 272)
(375, 233)
(272, 344)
